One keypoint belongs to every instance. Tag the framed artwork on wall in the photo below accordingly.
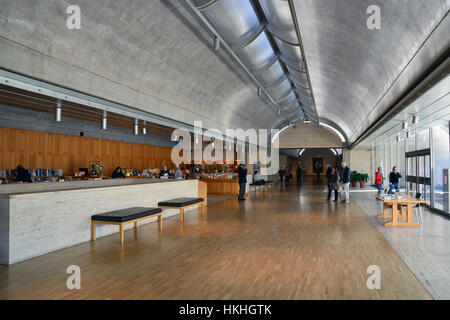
(318, 165)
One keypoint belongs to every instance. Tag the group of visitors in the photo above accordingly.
(286, 174)
(339, 180)
(394, 178)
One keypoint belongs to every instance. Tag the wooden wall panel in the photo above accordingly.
(35, 150)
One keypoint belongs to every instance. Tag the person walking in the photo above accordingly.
(281, 174)
(394, 177)
(299, 175)
(344, 176)
(333, 184)
(242, 174)
(287, 175)
(379, 179)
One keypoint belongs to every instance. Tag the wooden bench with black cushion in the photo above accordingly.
(270, 184)
(123, 217)
(256, 186)
(182, 203)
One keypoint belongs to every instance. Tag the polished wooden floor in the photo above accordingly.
(286, 244)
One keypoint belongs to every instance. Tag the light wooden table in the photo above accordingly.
(396, 203)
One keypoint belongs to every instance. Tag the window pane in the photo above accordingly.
(441, 164)
(424, 139)
(411, 143)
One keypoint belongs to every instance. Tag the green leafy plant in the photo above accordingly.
(363, 177)
(354, 176)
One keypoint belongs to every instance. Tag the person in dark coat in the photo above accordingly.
(333, 183)
(242, 174)
(344, 176)
(23, 175)
(299, 175)
(118, 174)
(281, 174)
(394, 178)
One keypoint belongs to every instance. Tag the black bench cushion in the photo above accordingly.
(180, 202)
(126, 214)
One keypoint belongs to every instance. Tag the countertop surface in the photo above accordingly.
(27, 188)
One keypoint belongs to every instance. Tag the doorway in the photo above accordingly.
(418, 174)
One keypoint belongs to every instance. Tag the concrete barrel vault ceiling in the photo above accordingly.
(157, 56)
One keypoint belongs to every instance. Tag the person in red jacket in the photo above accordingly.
(379, 179)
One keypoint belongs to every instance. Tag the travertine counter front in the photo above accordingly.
(58, 215)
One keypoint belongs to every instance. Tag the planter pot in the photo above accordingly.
(362, 184)
(354, 183)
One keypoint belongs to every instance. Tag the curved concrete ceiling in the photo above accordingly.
(357, 73)
(129, 52)
(158, 56)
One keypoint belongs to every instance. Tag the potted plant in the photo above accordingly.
(354, 178)
(363, 178)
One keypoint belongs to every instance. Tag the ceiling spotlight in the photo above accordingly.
(144, 129)
(398, 139)
(415, 120)
(405, 126)
(408, 134)
(279, 111)
(136, 127)
(259, 91)
(104, 120)
(58, 111)
(216, 44)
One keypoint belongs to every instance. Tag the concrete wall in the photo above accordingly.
(309, 136)
(48, 221)
(361, 161)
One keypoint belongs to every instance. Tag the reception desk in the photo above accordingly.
(222, 186)
(39, 218)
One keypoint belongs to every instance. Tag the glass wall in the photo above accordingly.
(417, 140)
(441, 164)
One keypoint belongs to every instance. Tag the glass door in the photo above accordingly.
(418, 174)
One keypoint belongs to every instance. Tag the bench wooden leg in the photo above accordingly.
(160, 221)
(93, 230)
(182, 214)
(136, 224)
(203, 207)
(121, 233)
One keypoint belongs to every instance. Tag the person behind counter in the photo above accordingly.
(23, 175)
(178, 174)
(164, 172)
(118, 174)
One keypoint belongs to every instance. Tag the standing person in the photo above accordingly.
(242, 174)
(394, 176)
(329, 172)
(281, 174)
(287, 175)
(379, 178)
(164, 173)
(118, 174)
(344, 176)
(299, 175)
(333, 184)
(178, 174)
(23, 175)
